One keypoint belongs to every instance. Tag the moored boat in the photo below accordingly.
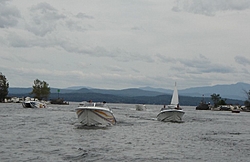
(59, 101)
(235, 109)
(140, 107)
(245, 108)
(33, 104)
(225, 108)
(203, 105)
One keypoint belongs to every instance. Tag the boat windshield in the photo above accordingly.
(93, 104)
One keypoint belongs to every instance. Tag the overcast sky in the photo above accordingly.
(117, 44)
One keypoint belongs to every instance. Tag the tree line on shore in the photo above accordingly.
(41, 91)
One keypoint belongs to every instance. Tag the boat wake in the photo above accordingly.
(81, 126)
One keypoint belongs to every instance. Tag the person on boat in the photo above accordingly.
(164, 107)
(178, 107)
(104, 103)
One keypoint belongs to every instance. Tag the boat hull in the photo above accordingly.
(170, 115)
(95, 116)
(33, 104)
(235, 111)
(203, 106)
(140, 107)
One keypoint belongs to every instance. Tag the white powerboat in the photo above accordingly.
(235, 109)
(95, 114)
(33, 104)
(140, 107)
(172, 112)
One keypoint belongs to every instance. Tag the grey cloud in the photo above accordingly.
(72, 25)
(98, 51)
(44, 19)
(44, 7)
(9, 58)
(242, 60)
(216, 68)
(15, 40)
(136, 28)
(41, 30)
(76, 23)
(84, 16)
(202, 64)
(91, 51)
(115, 68)
(165, 59)
(140, 57)
(3, 1)
(198, 62)
(178, 68)
(9, 15)
(210, 7)
(45, 12)
(245, 71)
(135, 70)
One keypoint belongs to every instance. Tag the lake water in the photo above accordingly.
(52, 135)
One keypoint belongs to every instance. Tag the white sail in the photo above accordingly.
(172, 112)
(175, 97)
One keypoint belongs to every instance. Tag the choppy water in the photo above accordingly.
(51, 135)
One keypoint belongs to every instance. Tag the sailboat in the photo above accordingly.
(172, 112)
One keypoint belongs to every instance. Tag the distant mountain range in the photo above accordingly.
(233, 93)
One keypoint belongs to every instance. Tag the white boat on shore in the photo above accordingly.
(140, 107)
(235, 109)
(95, 114)
(33, 103)
(172, 113)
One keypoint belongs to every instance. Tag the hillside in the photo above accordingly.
(231, 91)
(146, 95)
